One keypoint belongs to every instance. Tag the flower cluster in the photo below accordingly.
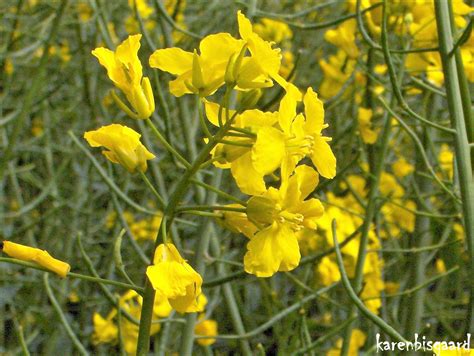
(259, 144)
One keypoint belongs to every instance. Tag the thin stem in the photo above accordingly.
(167, 145)
(62, 317)
(218, 191)
(157, 195)
(370, 213)
(169, 212)
(463, 158)
(355, 299)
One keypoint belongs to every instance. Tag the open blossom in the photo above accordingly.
(344, 37)
(281, 214)
(123, 146)
(106, 329)
(301, 136)
(246, 169)
(172, 277)
(125, 70)
(222, 58)
(276, 140)
(32, 254)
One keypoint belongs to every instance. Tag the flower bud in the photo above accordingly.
(41, 257)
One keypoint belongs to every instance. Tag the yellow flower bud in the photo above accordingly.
(123, 144)
(41, 257)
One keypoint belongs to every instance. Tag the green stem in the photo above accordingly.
(199, 263)
(464, 164)
(355, 299)
(167, 145)
(62, 317)
(369, 217)
(169, 212)
(417, 262)
(209, 207)
(157, 195)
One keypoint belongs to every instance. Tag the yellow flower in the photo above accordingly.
(357, 341)
(281, 214)
(172, 277)
(125, 70)
(327, 272)
(105, 330)
(440, 265)
(84, 11)
(265, 61)
(364, 117)
(197, 73)
(446, 160)
(402, 168)
(273, 31)
(240, 157)
(205, 327)
(9, 68)
(303, 134)
(222, 59)
(337, 70)
(37, 127)
(276, 140)
(428, 62)
(123, 146)
(41, 257)
(344, 38)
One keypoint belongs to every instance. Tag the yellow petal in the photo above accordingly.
(172, 60)
(249, 180)
(269, 150)
(272, 249)
(245, 26)
(218, 48)
(323, 158)
(314, 112)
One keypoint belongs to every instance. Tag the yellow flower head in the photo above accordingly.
(446, 160)
(105, 330)
(364, 117)
(125, 70)
(344, 38)
(273, 31)
(327, 272)
(337, 70)
(206, 327)
(197, 73)
(123, 146)
(264, 62)
(41, 257)
(303, 134)
(281, 214)
(172, 277)
(222, 59)
(402, 168)
(241, 158)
